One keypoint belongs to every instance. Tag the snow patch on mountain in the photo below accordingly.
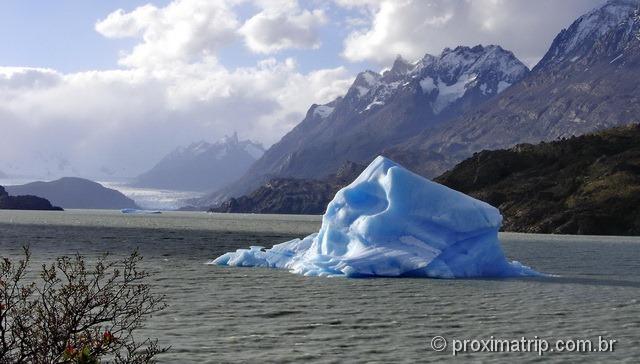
(583, 32)
(365, 81)
(202, 166)
(600, 21)
(323, 111)
(447, 94)
(427, 85)
(219, 149)
(373, 104)
(443, 79)
(502, 85)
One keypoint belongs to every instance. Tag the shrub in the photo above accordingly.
(74, 314)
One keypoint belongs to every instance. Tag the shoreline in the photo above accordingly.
(200, 220)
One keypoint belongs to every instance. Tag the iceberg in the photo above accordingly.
(138, 211)
(391, 222)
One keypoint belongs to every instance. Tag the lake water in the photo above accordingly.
(220, 314)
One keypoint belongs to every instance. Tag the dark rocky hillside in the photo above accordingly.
(293, 195)
(583, 185)
(75, 193)
(26, 202)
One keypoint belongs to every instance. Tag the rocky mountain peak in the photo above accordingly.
(219, 148)
(479, 59)
(398, 70)
(364, 82)
(579, 38)
(202, 165)
(230, 139)
(443, 79)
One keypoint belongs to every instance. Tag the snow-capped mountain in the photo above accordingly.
(202, 166)
(442, 82)
(383, 109)
(587, 81)
(579, 39)
(446, 79)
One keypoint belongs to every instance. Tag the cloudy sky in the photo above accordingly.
(98, 87)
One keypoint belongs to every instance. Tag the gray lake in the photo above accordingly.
(220, 314)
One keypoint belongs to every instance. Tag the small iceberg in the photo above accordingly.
(138, 211)
(391, 222)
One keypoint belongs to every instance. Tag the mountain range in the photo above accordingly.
(384, 109)
(587, 81)
(202, 166)
(431, 114)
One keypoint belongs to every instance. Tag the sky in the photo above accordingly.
(106, 88)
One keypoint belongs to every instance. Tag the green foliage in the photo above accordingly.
(75, 314)
(582, 185)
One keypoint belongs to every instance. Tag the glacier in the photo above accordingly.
(391, 222)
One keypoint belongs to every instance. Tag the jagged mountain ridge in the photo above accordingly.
(381, 110)
(587, 81)
(202, 166)
(580, 37)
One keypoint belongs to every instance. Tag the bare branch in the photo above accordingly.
(76, 314)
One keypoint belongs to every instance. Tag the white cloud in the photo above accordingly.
(119, 24)
(172, 90)
(20, 78)
(415, 27)
(182, 31)
(276, 28)
(126, 120)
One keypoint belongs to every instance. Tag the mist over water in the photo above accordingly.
(220, 314)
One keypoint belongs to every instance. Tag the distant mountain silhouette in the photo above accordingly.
(24, 202)
(75, 193)
(202, 166)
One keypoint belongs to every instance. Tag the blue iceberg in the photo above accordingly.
(391, 222)
(138, 211)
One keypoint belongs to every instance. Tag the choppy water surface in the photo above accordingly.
(220, 314)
